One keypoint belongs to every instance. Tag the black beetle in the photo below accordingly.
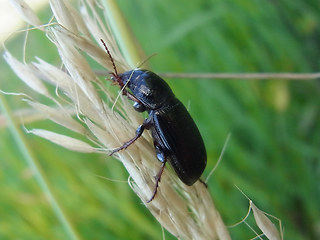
(175, 134)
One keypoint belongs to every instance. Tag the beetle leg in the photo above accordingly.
(158, 178)
(160, 153)
(145, 125)
(131, 97)
(203, 182)
(117, 80)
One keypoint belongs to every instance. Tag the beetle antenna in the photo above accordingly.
(146, 59)
(111, 58)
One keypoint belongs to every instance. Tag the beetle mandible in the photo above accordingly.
(175, 135)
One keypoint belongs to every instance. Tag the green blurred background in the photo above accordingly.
(273, 154)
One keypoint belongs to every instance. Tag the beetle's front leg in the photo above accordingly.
(147, 123)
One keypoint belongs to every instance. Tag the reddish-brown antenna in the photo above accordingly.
(111, 58)
(115, 76)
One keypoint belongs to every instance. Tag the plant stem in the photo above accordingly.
(260, 76)
(123, 34)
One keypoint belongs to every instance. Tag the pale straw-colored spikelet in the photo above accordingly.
(263, 222)
(26, 12)
(64, 141)
(186, 211)
(62, 118)
(265, 225)
(26, 74)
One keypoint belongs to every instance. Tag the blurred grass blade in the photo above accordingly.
(39, 176)
(125, 38)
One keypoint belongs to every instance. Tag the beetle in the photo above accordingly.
(175, 135)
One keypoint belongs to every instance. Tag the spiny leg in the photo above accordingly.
(139, 132)
(158, 178)
(145, 125)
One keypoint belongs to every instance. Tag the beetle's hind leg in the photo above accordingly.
(145, 125)
(163, 159)
(158, 178)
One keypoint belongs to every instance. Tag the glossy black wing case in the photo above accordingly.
(180, 138)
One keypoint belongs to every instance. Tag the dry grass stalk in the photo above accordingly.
(186, 212)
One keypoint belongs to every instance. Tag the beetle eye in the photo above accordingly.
(139, 107)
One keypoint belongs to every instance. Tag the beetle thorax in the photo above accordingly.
(151, 90)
